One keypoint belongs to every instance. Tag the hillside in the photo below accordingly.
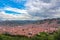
(26, 22)
(29, 28)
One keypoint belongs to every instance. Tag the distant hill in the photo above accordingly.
(17, 22)
(57, 20)
(23, 22)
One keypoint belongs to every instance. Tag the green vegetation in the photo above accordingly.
(40, 36)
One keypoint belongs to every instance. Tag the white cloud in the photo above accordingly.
(15, 10)
(57, 13)
(36, 5)
(42, 9)
(22, 16)
(35, 10)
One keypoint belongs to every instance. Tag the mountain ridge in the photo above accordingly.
(26, 22)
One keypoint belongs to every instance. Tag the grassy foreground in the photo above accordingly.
(40, 36)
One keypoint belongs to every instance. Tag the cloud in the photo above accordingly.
(34, 10)
(57, 13)
(43, 9)
(22, 16)
(15, 10)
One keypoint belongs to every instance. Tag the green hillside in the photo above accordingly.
(40, 36)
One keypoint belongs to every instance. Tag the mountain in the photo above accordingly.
(16, 22)
(26, 22)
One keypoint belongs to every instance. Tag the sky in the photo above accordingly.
(29, 9)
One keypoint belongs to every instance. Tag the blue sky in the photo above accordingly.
(29, 9)
(11, 3)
